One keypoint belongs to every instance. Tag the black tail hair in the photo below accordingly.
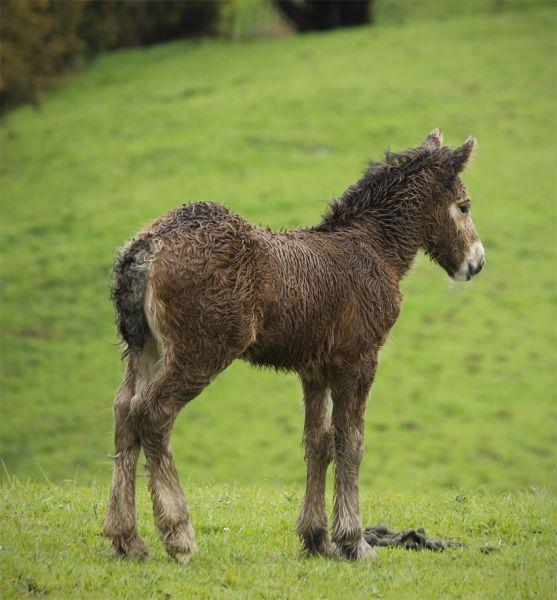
(131, 270)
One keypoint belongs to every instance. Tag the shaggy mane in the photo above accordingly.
(377, 181)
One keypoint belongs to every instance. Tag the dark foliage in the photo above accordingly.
(43, 39)
(315, 15)
(39, 39)
(117, 23)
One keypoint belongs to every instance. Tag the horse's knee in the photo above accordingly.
(328, 444)
(348, 444)
(320, 445)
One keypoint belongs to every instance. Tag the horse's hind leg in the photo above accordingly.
(119, 520)
(154, 414)
(319, 450)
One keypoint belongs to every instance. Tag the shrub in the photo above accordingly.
(38, 41)
(41, 39)
(116, 23)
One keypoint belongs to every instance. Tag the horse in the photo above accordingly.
(200, 287)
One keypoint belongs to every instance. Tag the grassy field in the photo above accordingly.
(461, 423)
(248, 548)
(466, 387)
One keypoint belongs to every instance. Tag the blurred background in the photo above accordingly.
(116, 111)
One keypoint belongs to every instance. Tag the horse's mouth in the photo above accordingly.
(469, 269)
(472, 264)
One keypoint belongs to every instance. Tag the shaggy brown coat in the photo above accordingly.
(201, 287)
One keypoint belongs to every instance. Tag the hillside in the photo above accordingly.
(273, 129)
(51, 546)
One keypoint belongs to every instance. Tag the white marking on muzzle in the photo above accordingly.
(472, 263)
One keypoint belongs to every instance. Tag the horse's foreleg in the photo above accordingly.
(349, 401)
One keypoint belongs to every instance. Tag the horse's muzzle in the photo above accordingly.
(474, 267)
(472, 264)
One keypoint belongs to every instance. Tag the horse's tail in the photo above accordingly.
(131, 272)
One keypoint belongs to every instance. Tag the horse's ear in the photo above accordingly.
(461, 156)
(434, 139)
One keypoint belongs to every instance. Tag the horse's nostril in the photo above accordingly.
(474, 267)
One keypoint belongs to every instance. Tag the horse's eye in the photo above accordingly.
(464, 208)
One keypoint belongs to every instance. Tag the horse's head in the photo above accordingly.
(451, 238)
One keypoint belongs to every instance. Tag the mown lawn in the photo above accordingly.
(465, 396)
(51, 546)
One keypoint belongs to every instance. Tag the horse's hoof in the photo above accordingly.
(182, 557)
(330, 550)
(359, 551)
(183, 554)
(130, 547)
(180, 543)
(326, 549)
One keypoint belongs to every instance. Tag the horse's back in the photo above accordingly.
(203, 284)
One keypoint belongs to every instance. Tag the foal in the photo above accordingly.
(201, 287)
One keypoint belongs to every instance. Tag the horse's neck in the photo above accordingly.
(396, 238)
(389, 219)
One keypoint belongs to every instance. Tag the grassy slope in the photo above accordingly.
(465, 390)
(248, 549)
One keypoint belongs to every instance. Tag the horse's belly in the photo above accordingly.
(291, 350)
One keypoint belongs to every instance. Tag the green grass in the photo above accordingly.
(51, 545)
